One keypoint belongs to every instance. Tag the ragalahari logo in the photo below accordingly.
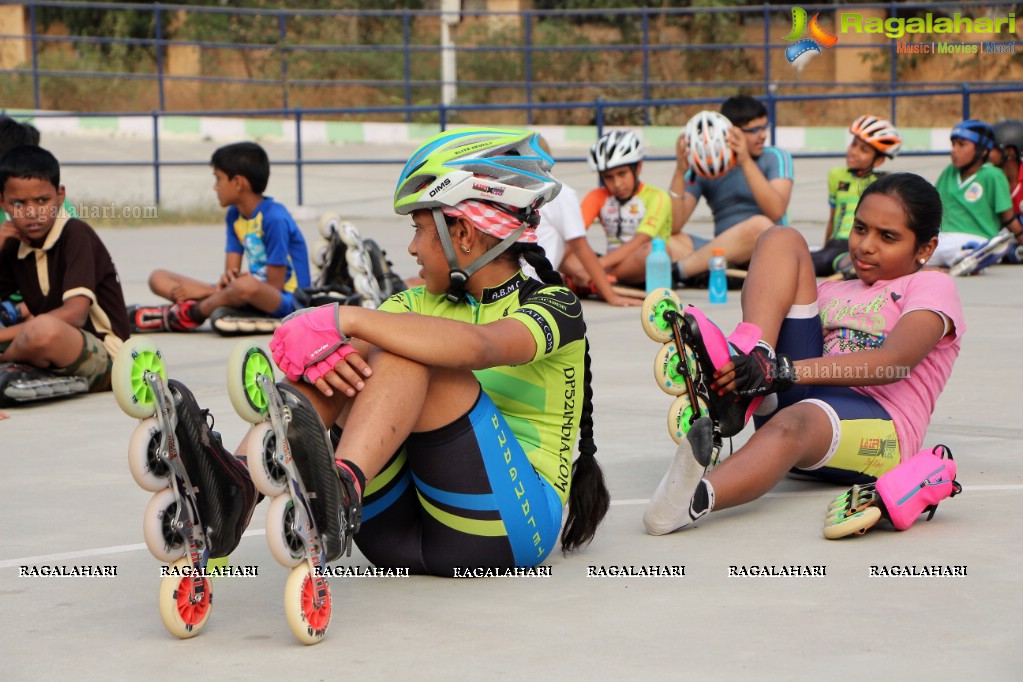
(803, 48)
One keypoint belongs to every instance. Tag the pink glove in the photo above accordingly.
(307, 340)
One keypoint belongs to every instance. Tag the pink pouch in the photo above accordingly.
(917, 486)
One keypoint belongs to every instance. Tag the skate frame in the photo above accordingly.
(280, 417)
(680, 332)
(971, 261)
(187, 521)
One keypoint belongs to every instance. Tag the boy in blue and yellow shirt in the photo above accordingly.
(260, 232)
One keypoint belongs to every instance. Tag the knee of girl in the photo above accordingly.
(787, 424)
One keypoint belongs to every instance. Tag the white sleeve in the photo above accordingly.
(570, 215)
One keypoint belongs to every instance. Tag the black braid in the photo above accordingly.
(588, 498)
(536, 257)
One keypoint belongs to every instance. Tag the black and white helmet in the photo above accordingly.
(614, 149)
(1009, 134)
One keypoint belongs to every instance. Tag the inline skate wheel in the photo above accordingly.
(162, 539)
(268, 475)
(137, 356)
(680, 416)
(183, 609)
(668, 373)
(308, 622)
(283, 520)
(148, 470)
(652, 312)
(245, 365)
(330, 223)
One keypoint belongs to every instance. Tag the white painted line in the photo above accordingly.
(837, 490)
(85, 553)
(122, 549)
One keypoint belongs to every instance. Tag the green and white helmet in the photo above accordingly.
(505, 168)
(487, 164)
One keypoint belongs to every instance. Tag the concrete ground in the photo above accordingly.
(70, 501)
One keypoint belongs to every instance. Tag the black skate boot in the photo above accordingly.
(224, 493)
(333, 495)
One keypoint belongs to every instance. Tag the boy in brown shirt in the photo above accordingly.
(74, 314)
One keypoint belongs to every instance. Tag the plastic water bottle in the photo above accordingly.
(658, 267)
(718, 288)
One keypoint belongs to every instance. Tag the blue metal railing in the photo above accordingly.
(285, 48)
(290, 79)
(964, 92)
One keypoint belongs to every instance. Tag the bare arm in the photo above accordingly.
(74, 311)
(913, 337)
(582, 250)
(440, 342)
(232, 266)
(772, 196)
(637, 243)
(830, 229)
(275, 276)
(682, 203)
(1013, 224)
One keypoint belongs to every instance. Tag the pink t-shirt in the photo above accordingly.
(858, 317)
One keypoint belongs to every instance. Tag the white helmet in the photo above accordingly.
(614, 149)
(709, 154)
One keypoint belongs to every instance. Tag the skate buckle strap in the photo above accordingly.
(745, 337)
(350, 514)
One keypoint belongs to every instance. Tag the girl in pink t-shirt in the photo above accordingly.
(858, 368)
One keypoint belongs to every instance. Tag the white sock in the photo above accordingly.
(669, 507)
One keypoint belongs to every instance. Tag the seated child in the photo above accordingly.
(73, 320)
(562, 232)
(632, 213)
(974, 196)
(748, 199)
(874, 140)
(260, 230)
(862, 361)
(1006, 156)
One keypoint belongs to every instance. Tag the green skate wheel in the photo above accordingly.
(667, 372)
(244, 367)
(680, 416)
(652, 314)
(137, 356)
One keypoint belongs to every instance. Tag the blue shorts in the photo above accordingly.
(288, 305)
(462, 496)
(864, 444)
(698, 242)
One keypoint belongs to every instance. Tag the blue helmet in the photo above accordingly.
(977, 132)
